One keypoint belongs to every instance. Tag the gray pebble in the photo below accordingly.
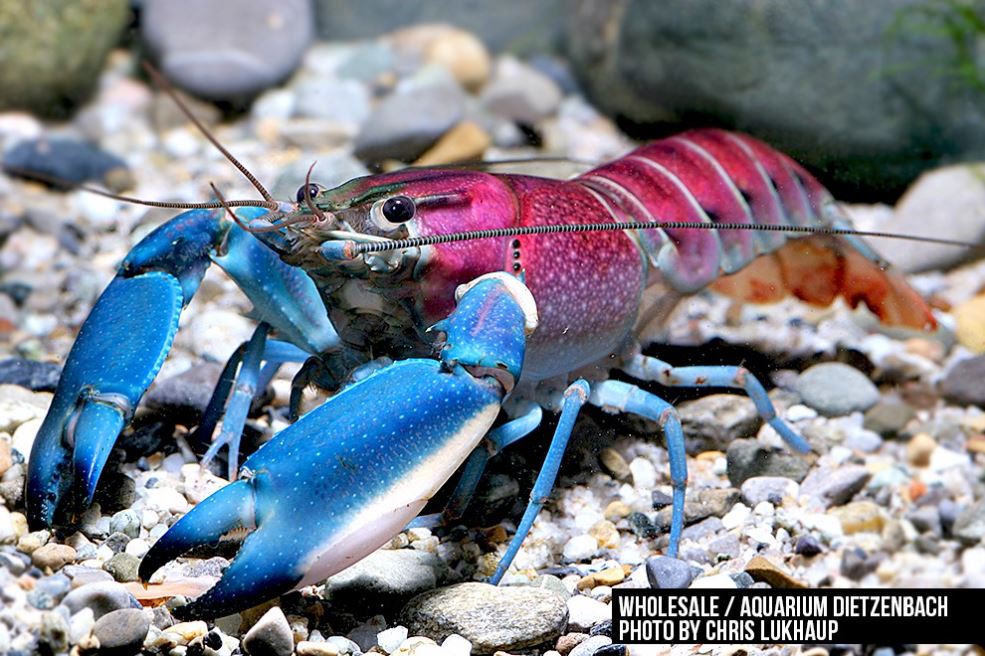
(668, 573)
(715, 421)
(927, 544)
(328, 99)
(865, 441)
(215, 53)
(405, 124)
(835, 486)
(492, 618)
(969, 527)
(949, 510)
(123, 567)
(702, 529)
(707, 502)
(520, 93)
(121, 632)
(856, 564)
(270, 636)
(126, 522)
(835, 389)
(726, 546)
(927, 518)
(14, 562)
(589, 646)
(386, 579)
(962, 385)
(102, 598)
(747, 458)
(768, 488)
(116, 542)
(888, 418)
(184, 396)
(742, 579)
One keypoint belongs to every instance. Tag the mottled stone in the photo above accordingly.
(121, 632)
(748, 458)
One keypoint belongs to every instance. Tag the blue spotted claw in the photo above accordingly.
(349, 475)
(119, 350)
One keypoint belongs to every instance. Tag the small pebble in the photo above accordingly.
(835, 486)
(270, 636)
(919, 449)
(807, 545)
(580, 547)
(123, 567)
(763, 569)
(53, 556)
(121, 631)
(585, 612)
(668, 573)
(835, 389)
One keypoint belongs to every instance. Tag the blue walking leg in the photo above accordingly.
(239, 405)
(274, 353)
(574, 398)
(616, 395)
(647, 368)
(497, 439)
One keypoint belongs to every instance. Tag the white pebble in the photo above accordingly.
(167, 499)
(715, 581)
(942, 458)
(585, 612)
(137, 547)
(764, 509)
(800, 412)
(149, 519)
(390, 639)
(580, 547)
(736, 517)
(762, 535)
(456, 645)
(644, 473)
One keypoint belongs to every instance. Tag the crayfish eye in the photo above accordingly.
(390, 213)
(313, 190)
(398, 209)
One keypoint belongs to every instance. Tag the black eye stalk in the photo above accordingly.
(313, 190)
(398, 209)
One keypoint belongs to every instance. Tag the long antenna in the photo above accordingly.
(352, 248)
(164, 85)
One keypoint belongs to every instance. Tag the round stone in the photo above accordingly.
(835, 389)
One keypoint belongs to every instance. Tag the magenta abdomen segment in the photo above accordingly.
(710, 176)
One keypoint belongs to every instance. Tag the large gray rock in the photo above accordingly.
(531, 26)
(52, 51)
(220, 51)
(869, 93)
(386, 579)
(492, 618)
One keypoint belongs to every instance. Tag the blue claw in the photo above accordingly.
(349, 475)
(120, 349)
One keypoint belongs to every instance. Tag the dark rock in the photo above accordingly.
(121, 632)
(116, 492)
(602, 628)
(807, 545)
(611, 650)
(748, 458)
(887, 102)
(36, 376)
(53, 54)
(927, 544)
(218, 54)
(271, 636)
(962, 385)
(835, 486)
(67, 161)
(660, 499)
(888, 418)
(642, 526)
(183, 398)
(949, 511)
(717, 420)
(529, 27)
(856, 564)
(393, 132)
(742, 579)
(491, 618)
(926, 519)
(668, 573)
